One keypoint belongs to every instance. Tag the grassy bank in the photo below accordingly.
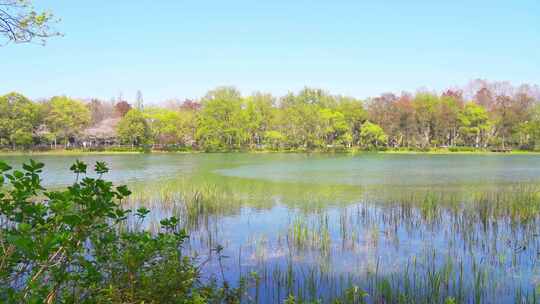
(341, 151)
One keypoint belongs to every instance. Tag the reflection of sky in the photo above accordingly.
(256, 240)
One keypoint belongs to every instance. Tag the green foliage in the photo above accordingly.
(65, 117)
(134, 128)
(309, 120)
(425, 105)
(20, 22)
(261, 113)
(69, 246)
(168, 126)
(372, 136)
(333, 126)
(462, 149)
(300, 119)
(19, 118)
(222, 121)
(274, 139)
(355, 115)
(474, 123)
(447, 124)
(529, 131)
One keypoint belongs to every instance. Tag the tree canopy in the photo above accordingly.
(134, 128)
(20, 22)
(19, 118)
(65, 117)
(311, 119)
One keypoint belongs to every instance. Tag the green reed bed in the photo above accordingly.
(193, 205)
(420, 282)
(485, 235)
(303, 234)
(475, 244)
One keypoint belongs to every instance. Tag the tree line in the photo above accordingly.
(484, 114)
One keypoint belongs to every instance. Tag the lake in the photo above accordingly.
(401, 227)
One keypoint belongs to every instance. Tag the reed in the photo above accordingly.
(423, 246)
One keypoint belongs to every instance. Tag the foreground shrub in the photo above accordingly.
(71, 246)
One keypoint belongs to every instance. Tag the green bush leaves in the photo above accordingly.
(71, 246)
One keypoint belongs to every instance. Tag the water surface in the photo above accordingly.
(425, 226)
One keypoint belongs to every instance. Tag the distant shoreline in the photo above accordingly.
(344, 151)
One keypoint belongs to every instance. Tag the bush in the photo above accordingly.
(462, 149)
(123, 149)
(69, 246)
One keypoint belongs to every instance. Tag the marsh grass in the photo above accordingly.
(423, 246)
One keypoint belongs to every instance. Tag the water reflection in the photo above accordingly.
(402, 228)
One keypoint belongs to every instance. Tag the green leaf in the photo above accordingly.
(4, 167)
(78, 167)
(24, 227)
(123, 190)
(72, 219)
(23, 243)
(142, 212)
(18, 174)
(101, 168)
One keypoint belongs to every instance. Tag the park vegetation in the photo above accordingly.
(75, 246)
(484, 115)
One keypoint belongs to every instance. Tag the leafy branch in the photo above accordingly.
(20, 22)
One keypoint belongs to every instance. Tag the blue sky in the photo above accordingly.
(180, 49)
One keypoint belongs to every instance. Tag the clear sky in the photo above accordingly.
(180, 49)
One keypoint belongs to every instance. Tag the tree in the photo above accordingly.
(65, 118)
(260, 113)
(531, 128)
(406, 122)
(19, 119)
(190, 105)
(372, 136)
(485, 98)
(97, 111)
(355, 115)
(299, 118)
(121, 108)
(139, 102)
(188, 111)
(274, 139)
(170, 126)
(222, 121)
(382, 111)
(317, 97)
(446, 118)
(503, 118)
(308, 120)
(425, 105)
(474, 124)
(20, 22)
(334, 126)
(134, 129)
